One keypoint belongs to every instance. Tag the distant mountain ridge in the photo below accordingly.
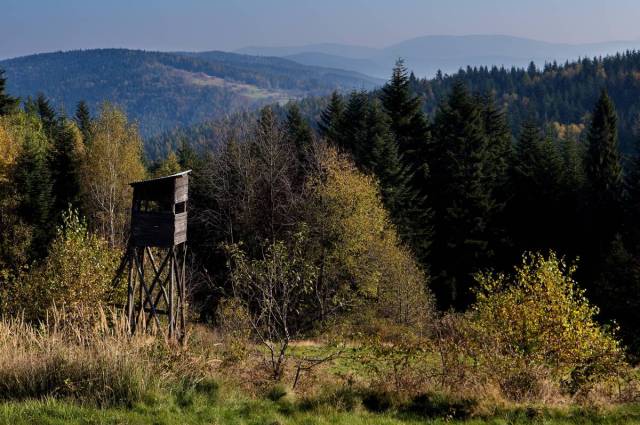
(164, 90)
(425, 55)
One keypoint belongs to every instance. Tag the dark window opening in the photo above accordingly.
(181, 207)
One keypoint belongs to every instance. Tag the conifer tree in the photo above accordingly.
(402, 200)
(604, 170)
(8, 104)
(353, 135)
(604, 174)
(33, 177)
(407, 121)
(83, 121)
(537, 179)
(47, 115)
(299, 131)
(500, 147)
(187, 156)
(462, 200)
(65, 167)
(330, 123)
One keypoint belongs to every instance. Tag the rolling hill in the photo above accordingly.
(167, 90)
(426, 55)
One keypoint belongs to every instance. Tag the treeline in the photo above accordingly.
(563, 93)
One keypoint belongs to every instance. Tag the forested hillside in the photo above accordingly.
(165, 90)
(551, 93)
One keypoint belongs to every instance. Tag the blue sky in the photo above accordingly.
(29, 26)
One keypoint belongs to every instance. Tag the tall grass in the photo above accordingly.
(88, 357)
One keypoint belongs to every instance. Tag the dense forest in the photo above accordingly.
(166, 90)
(562, 93)
(501, 245)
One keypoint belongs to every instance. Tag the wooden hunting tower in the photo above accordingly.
(158, 224)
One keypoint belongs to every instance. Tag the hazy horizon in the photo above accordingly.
(36, 26)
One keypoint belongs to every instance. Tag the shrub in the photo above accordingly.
(78, 271)
(235, 326)
(538, 325)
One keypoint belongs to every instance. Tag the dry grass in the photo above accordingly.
(81, 356)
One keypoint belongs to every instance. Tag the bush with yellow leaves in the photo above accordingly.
(78, 271)
(361, 255)
(537, 325)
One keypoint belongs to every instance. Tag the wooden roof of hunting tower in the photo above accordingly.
(159, 211)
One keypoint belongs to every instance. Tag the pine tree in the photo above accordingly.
(604, 174)
(331, 119)
(299, 131)
(407, 122)
(8, 104)
(83, 121)
(537, 191)
(187, 156)
(353, 136)
(47, 115)
(403, 201)
(65, 168)
(604, 171)
(33, 177)
(462, 200)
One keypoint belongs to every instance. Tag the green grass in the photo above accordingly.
(201, 407)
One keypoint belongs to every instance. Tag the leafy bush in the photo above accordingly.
(537, 325)
(234, 323)
(78, 271)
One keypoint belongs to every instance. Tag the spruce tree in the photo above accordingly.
(604, 170)
(47, 115)
(404, 202)
(8, 104)
(410, 129)
(331, 119)
(537, 182)
(187, 156)
(407, 121)
(299, 131)
(83, 121)
(65, 168)
(604, 174)
(33, 177)
(462, 200)
(500, 147)
(353, 136)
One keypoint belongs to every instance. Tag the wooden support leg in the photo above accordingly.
(171, 306)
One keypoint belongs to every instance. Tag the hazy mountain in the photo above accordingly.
(333, 49)
(166, 90)
(426, 55)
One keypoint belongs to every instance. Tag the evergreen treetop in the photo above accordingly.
(8, 104)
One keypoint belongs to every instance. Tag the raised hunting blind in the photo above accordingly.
(158, 225)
